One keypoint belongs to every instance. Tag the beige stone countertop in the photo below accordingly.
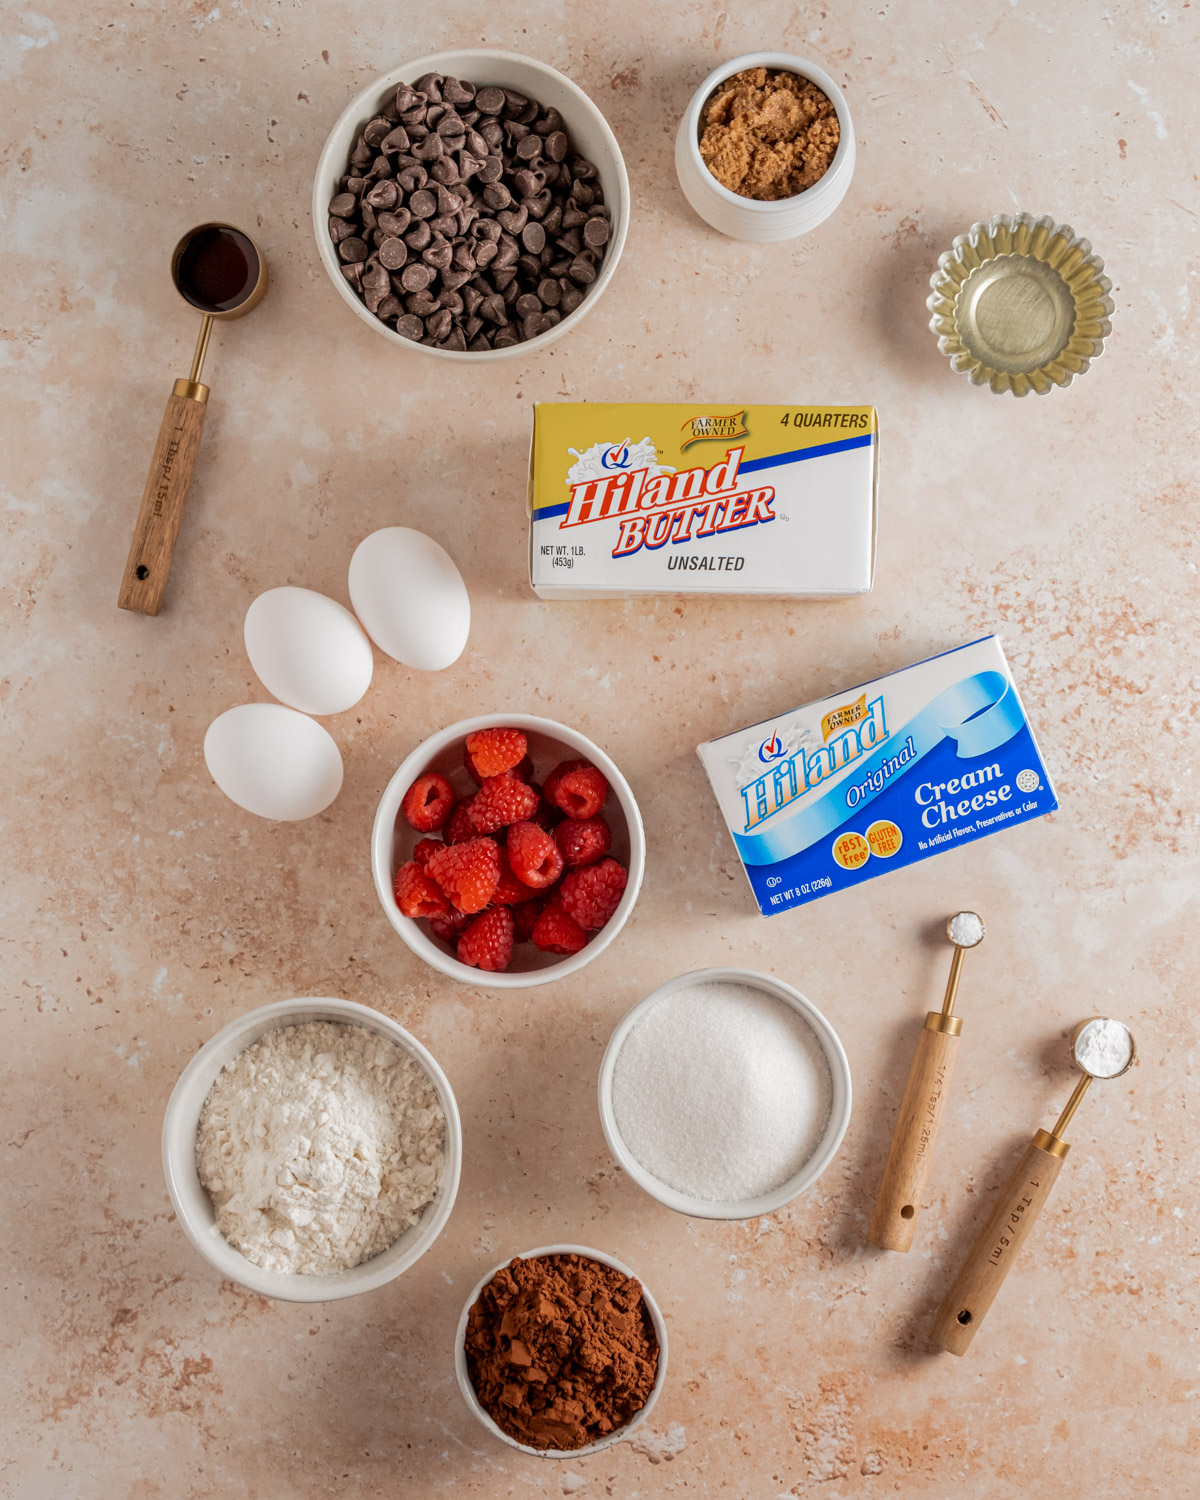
(142, 911)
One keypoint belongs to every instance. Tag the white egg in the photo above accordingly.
(273, 761)
(309, 651)
(410, 598)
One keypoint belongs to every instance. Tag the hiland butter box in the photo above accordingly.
(629, 498)
(880, 776)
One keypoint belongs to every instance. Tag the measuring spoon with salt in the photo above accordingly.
(911, 1154)
(219, 271)
(1101, 1048)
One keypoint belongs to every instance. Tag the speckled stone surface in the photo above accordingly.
(141, 911)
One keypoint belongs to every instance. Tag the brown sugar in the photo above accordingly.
(561, 1350)
(768, 135)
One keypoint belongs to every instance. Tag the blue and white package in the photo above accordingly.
(890, 772)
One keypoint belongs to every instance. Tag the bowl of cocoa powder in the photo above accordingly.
(561, 1352)
(765, 150)
(471, 205)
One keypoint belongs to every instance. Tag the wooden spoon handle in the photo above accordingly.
(149, 563)
(1000, 1239)
(915, 1135)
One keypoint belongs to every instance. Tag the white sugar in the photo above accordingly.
(722, 1092)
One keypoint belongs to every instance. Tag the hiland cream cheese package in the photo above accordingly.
(877, 777)
(629, 498)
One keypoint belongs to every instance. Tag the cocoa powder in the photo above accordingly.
(768, 135)
(561, 1350)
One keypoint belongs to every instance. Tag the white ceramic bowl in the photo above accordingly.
(590, 137)
(839, 1113)
(468, 1390)
(392, 843)
(193, 1207)
(747, 218)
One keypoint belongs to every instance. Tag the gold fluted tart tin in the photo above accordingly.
(1020, 304)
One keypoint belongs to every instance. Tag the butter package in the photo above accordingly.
(887, 773)
(630, 498)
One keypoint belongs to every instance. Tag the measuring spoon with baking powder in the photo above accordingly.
(221, 272)
(1101, 1048)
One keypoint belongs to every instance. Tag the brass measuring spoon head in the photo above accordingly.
(965, 930)
(1100, 1048)
(218, 270)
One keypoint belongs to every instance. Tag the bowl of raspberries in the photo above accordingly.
(508, 852)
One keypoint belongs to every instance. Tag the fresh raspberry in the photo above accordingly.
(494, 751)
(488, 942)
(468, 873)
(509, 890)
(583, 840)
(424, 849)
(591, 895)
(556, 932)
(525, 916)
(427, 802)
(450, 927)
(534, 856)
(417, 895)
(581, 793)
(550, 789)
(501, 800)
(523, 770)
(459, 827)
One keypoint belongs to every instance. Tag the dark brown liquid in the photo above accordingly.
(218, 270)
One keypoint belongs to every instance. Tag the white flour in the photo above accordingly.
(1103, 1048)
(319, 1146)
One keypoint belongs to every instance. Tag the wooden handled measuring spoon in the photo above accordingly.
(219, 271)
(923, 1104)
(1102, 1048)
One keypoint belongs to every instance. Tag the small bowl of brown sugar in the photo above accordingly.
(561, 1352)
(765, 149)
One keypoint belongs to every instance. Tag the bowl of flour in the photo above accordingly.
(724, 1094)
(312, 1150)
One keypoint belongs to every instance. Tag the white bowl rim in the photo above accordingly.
(765, 1203)
(368, 98)
(389, 809)
(293, 1287)
(787, 63)
(468, 1390)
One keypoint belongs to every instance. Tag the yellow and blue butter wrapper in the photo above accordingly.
(633, 498)
(880, 776)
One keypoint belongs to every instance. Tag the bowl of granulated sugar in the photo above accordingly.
(724, 1094)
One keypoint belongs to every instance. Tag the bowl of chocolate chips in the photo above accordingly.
(471, 204)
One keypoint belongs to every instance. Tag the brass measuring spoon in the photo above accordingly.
(1101, 1048)
(221, 272)
(924, 1103)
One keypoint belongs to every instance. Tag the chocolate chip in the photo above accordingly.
(430, 84)
(385, 194)
(496, 195)
(514, 220)
(339, 229)
(455, 340)
(419, 236)
(390, 307)
(393, 253)
(505, 339)
(375, 130)
(493, 133)
(406, 97)
(533, 237)
(422, 205)
(527, 304)
(353, 275)
(549, 291)
(343, 205)
(514, 103)
(572, 296)
(489, 101)
(412, 178)
(595, 233)
(455, 91)
(429, 149)
(439, 256)
(530, 148)
(395, 141)
(450, 126)
(353, 248)
(375, 277)
(416, 276)
(421, 303)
